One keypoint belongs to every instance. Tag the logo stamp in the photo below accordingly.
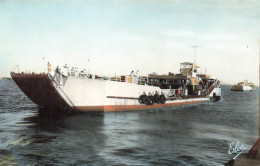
(236, 148)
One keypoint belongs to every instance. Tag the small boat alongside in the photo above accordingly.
(243, 86)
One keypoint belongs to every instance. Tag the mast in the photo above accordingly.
(195, 51)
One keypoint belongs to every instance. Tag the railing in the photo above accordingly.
(211, 88)
(59, 86)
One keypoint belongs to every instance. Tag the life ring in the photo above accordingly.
(140, 99)
(150, 100)
(162, 99)
(156, 98)
(145, 100)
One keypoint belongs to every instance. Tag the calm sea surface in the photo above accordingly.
(197, 134)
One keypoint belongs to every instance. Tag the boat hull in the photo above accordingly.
(109, 108)
(241, 88)
(88, 95)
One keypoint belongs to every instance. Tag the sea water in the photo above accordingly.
(197, 134)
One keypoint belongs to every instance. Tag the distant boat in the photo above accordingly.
(243, 86)
(5, 78)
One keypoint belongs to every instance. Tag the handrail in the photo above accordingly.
(58, 86)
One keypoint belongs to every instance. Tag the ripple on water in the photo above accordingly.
(197, 134)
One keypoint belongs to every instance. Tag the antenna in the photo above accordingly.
(195, 50)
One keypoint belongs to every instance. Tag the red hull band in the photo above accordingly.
(108, 108)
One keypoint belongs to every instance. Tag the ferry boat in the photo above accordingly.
(69, 90)
(243, 86)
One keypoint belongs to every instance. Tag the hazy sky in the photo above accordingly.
(118, 36)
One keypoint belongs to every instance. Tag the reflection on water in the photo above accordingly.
(7, 160)
(197, 134)
(61, 140)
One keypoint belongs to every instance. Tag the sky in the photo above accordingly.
(109, 37)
